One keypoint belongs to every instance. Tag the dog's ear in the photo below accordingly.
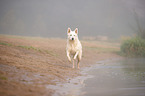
(68, 30)
(76, 30)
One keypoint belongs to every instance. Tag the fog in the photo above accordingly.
(51, 18)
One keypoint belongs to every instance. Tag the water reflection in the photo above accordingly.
(118, 78)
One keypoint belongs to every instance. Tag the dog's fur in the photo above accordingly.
(74, 47)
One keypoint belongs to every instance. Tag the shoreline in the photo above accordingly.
(73, 86)
(41, 62)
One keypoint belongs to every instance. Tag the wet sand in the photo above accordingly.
(28, 65)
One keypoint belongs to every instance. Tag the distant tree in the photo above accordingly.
(140, 29)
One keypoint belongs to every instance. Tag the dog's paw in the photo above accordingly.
(73, 66)
(78, 67)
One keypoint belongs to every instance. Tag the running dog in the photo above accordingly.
(74, 47)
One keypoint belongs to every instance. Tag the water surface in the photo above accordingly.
(116, 78)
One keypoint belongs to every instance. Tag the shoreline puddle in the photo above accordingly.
(71, 88)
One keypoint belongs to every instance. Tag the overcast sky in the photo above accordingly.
(51, 18)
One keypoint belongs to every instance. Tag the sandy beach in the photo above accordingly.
(28, 64)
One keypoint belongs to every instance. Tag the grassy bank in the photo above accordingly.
(134, 47)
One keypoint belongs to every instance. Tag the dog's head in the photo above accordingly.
(72, 35)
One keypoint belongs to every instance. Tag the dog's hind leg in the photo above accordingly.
(73, 63)
(79, 59)
(78, 64)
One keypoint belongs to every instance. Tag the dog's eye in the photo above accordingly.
(74, 35)
(70, 35)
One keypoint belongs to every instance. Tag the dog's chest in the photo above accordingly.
(73, 49)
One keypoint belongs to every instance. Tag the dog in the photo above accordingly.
(74, 47)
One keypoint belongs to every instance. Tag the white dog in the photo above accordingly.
(74, 47)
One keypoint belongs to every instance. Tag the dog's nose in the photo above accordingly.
(72, 38)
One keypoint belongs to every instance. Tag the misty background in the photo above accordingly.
(51, 18)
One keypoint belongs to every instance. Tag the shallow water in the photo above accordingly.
(116, 78)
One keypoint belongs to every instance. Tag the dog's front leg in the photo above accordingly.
(68, 56)
(76, 54)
